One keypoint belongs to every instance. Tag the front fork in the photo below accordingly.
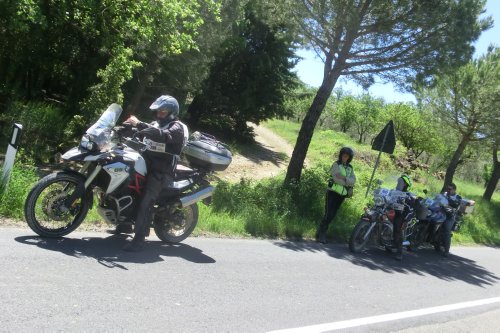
(369, 231)
(81, 187)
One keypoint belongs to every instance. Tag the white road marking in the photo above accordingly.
(387, 317)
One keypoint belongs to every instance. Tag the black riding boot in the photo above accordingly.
(122, 228)
(136, 244)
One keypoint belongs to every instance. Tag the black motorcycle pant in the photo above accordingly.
(333, 201)
(397, 231)
(446, 233)
(155, 182)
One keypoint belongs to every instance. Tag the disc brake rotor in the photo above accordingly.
(52, 204)
(178, 220)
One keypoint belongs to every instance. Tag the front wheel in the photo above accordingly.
(45, 211)
(417, 239)
(360, 236)
(175, 224)
(385, 236)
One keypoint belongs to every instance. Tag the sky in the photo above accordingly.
(310, 68)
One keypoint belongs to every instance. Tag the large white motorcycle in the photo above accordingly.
(112, 169)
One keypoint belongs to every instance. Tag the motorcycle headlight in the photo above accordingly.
(378, 201)
(87, 144)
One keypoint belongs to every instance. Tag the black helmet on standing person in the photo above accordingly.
(165, 103)
(348, 151)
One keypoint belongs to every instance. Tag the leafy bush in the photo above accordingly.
(13, 196)
(43, 126)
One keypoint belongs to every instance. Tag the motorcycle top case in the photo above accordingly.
(204, 151)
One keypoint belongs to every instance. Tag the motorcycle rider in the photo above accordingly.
(165, 139)
(404, 185)
(453, 202)
(339, 187)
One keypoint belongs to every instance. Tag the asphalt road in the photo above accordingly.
(86, 283)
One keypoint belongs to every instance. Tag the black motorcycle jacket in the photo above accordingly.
(453, 200)
(164, 145)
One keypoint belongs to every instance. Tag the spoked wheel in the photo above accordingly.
(45, 211)
(418, 237)
(175, 224)
(386, 235)
(360, 237)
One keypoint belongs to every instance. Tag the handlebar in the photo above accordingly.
(127, 135)
(134, 144)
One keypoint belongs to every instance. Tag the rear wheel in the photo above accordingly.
(360, 236)
(175, 224)
(45, 211)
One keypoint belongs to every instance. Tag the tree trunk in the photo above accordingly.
(492, 183)
(455, 161)
(308, 124)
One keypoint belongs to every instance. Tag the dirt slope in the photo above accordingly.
(269, 158)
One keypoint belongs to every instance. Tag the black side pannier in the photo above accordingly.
(203, 151)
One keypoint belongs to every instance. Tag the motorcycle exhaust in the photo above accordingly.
(197, 196)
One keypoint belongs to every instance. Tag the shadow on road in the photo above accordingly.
(108, 251)
(425, 261)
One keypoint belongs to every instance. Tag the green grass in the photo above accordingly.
(268, 209)
(13, 196)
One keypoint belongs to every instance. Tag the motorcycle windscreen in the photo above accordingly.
(100, 132)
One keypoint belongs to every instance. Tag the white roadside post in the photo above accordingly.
(15, 138)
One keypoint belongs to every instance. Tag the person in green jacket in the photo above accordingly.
(339, 187)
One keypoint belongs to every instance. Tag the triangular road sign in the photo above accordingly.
(385, 141)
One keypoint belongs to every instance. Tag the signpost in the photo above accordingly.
(385, 142)
(15, 139)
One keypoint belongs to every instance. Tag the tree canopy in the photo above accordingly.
(463, 100)
(80, 53)
(402, 40)
(248, 79)
(416, 128)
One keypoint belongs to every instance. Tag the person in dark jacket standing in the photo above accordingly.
(165, 139)
(454, 201)
(339, 187)
(404, 185)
